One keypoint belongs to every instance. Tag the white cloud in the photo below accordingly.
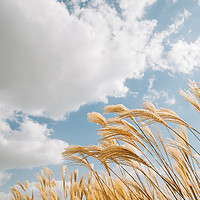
(29, 146)
(4, 177)
(4, 196)
(51, 62)
(184, 56)
(134, 9)
(155, 50)
(169, 100)
(154, 94)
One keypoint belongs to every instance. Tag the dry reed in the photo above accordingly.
(150, 166)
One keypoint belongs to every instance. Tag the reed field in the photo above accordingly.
(147, 154)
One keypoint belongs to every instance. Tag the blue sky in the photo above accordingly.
(62, 60)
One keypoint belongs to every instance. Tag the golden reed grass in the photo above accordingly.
(150, 166)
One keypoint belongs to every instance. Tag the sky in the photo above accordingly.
(60, 60)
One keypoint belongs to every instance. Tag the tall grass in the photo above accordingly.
(149, 164)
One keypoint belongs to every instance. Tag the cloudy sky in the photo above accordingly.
(61, 60)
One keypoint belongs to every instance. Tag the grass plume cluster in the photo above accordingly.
(150, 166)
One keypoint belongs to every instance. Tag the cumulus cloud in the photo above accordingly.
(4, 177)
(185, 56)
(28, 146)
(5, 196)
(52, 61)
(182, 56)
(155, 49)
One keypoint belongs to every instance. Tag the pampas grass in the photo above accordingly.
(150, 165)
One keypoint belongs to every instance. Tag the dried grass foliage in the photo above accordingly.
(150, 166)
